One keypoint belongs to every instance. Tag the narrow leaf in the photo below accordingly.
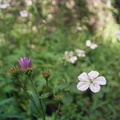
(35, 105)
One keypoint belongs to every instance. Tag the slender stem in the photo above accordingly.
(42, 109)
(23, 87)
(28, 95)
(35, 89)
(56, 113)
(47, 83)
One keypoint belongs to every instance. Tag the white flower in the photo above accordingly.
(24, 13)
(72, 59)
(88, 43)
(80, 53)
(69, 57)
(69, 53)
(3, 6)
(28, 2)
(90, 80)
(91, 45)
(79, 28)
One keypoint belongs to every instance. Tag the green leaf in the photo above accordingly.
(6, 101)
(45, 95)
(35, 105)
(5, 116)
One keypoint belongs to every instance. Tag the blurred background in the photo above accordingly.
(67, 37)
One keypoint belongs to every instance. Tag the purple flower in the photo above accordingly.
(25, 63)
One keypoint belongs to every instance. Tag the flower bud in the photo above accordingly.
(58, 98)
(14, 71)
(66, 89)
(46, 74)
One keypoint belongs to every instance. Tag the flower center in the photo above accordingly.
(90, 81)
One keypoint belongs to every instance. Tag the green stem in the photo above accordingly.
(28, 95)
(35, 89)
(56, 113)
(47, 83)
(23, 87)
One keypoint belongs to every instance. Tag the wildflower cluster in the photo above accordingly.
(71, 56)
(91, 45)
(90, 80)
(80, 53)
(23, 13)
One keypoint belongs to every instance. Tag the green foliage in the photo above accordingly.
(35, 105)
(45, 41)
(44, 95)
(7, 110)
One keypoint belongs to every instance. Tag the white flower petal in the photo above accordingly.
(88, 43)
(83, 77)
(24, 13)
(95, 87)
(93, 46)
(100, 80)
(73, 59)
(82, 86)
(93, 74)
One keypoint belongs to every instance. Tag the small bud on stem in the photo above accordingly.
(46, 74)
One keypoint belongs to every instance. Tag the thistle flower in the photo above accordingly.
(90, 80)
(25, 63)
(24, 13)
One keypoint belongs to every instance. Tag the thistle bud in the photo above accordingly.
(58, 98)
(46, 74)
(66, 89)
(14, 71)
